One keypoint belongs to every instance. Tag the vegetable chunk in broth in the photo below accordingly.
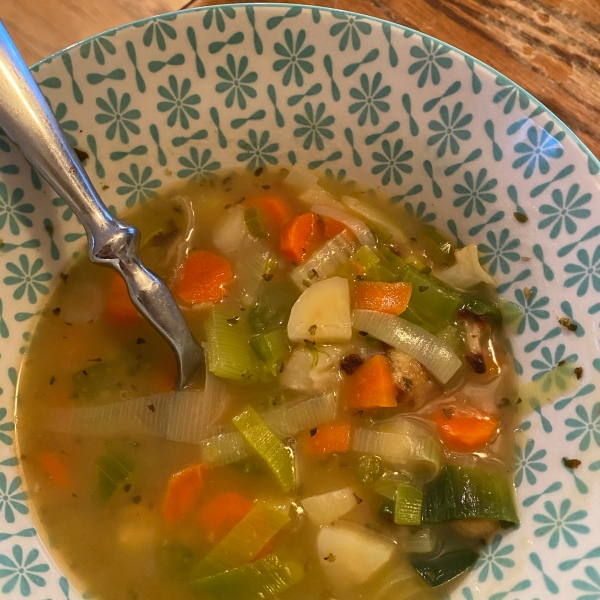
(353, 437)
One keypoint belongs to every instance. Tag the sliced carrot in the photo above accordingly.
(301, 237)
(371, 385)
(331, 227)
(204, 277)
(119, 309)
(328, 438)
(55, 468)
(464, 429)
(389, 298)
(273, 211)
(183, 492)
(221, 514)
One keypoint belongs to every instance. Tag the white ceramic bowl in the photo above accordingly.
(359, 99)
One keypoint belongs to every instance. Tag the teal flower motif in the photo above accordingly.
(28, 278)
(541, 146)
(196, 167)
(294, 57)
(510, 94)
(370, 99)
(588, 270)
(12, 211)
(67, 125)
(67, 213)
(557, 522)
(158, 28)
(476, 192)
(592, 589)
(429, 61)
(499, 252)
(139, 186)
(351, 26)
(392, 162)
(236, 82)
(11, 499)
(218, 12)
(449, 129)
(586, 427)
(548, 365)
(98, 45)
(4, 427)
(564, 211)
(22, 571)
(495, 558)
(116, 113)
(178, 102)
(257, 151)
(314, 125)
(419, 212)
(532, 308)
(527, 461)
(340, 178)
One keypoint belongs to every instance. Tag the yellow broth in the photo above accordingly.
(120, 548)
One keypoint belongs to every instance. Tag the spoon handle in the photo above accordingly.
(30, 124)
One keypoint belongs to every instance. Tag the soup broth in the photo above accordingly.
(354, 436)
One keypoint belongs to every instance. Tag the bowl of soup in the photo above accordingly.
(389, 253)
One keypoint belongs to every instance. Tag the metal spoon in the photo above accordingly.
(29, 122)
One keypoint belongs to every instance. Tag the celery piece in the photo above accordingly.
(263, 579)
(374, 268)
(365, 257)
(468, 493)
(113, 470)
(268, 446)
(408, 504)
(416, 262)
(483, 308)
(229, 352)
(271, 347)
(431, 300)
(275, 301)
(254, 223)
(437, 247)
(444, 567)
(392, 262)
(244, 541)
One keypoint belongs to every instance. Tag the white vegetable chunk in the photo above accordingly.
(230, 230)
(301, 178)
(467, 271)
(324, 509)
(322, 313)
(300, 375)
(351, 554)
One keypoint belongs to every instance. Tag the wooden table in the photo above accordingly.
(550, 47)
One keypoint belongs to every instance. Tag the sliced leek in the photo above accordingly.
(418, 454)
(255, 261)
(444, 567)
(408, 504)
(278, 457)
(468, 493)
(431, 352)
(325, 261)
(244, 542)
(224, 449)
(263, 579)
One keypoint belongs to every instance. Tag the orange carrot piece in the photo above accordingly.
(204, 277)
(464, 429)
(328, 438)
(119, 309)
(331, 227)
(221, 514)
(183, 492)
(55, 468)
(371, 385)
(301, 237)
(273, 211)
(391, 298)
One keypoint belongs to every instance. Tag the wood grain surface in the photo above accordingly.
(550, 47)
